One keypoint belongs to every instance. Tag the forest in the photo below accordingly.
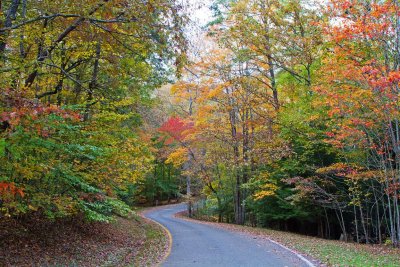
(278, 113)
(289, 118)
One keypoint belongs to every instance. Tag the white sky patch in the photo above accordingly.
(200, 15)
(201, 12)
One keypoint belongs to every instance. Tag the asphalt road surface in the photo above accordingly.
(197, 244)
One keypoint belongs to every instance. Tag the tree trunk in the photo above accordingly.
(328, 228)
(189, 197)
(93, 82)
(356, 223)
(363, 224)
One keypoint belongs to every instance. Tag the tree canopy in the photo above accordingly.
(283, 113)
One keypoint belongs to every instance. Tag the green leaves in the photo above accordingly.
(73, 91)
(2, 147)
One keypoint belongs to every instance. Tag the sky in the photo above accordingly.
(201, 12)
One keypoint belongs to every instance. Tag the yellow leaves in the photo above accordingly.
(182, 87)
(336, 167)
(178, 157)
(125, 102)
(240, 6)
(215, 92)
(267, 190)
(33, 208)
(65, 204)
(203, 115)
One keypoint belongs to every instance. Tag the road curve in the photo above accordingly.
(196, 244)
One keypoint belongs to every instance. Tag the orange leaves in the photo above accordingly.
(394, 77)
(350, 172)
(33, 116)
(10, 189)
(353, 20)
(178, 157)
(359, 83)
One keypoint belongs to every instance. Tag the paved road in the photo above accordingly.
(196, 244)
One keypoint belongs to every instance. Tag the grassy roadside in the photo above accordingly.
(332, 252)
(125, 242)
(328, 252)
(152, 252)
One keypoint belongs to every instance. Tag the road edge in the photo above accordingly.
(168, 233)
(309, 263)
(301, 257)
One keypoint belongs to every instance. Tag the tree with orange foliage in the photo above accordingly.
(360, 85)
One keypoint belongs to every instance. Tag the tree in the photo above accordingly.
(75, 78)
(361, 90)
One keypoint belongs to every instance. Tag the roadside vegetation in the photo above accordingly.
(335, 252)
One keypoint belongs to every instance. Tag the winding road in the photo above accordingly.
(197, 244)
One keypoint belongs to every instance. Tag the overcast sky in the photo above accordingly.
(201, 12)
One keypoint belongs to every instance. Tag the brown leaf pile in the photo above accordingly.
(38, 242)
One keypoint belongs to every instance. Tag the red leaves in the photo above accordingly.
(20, 108)
(394, 77)
(360, 86)
(352, 21)
(30, 114)
(330, 134)
(15, 116)
(176, 128)
(10, 188)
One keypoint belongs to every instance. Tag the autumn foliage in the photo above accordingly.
(296, 117)
(76, 79)
(285, 115)
(176, 129)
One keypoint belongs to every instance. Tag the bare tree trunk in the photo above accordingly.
(189, 197)
(270, 61)
(238, 193)
(397, 217)
(341, 221)
(188, 179)
(328, 228)
(391, 224)
(396, 148)
(93, 82)
(378, 219)
(22, 51)
(363, 224)
(356, 223)
(245, 152)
